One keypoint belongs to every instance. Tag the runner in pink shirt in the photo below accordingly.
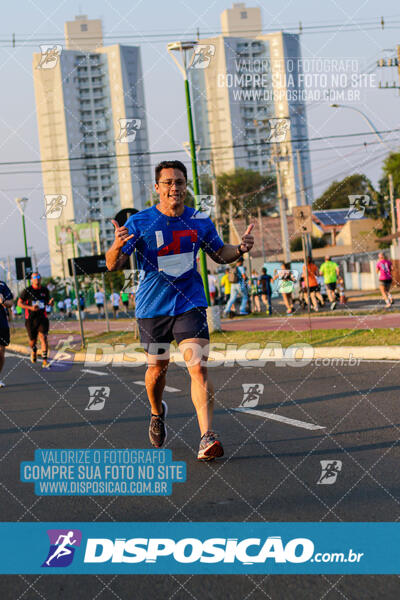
(384, 267)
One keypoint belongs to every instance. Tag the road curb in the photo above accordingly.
(298, 352)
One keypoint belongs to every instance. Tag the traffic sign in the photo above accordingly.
(303, 219)
(23, 267)
(88, 265)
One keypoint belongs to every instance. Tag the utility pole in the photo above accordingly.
(260, 226)
(282, 210)
(303, 198)
(390, 63)
(392, 210)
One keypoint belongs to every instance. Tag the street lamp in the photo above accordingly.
(21, 204)
(370, 123)
(184, 48)
(384, 143)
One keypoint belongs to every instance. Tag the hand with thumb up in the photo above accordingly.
(121, 234)
(247, 240)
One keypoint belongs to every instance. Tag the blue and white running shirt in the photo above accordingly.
(166, 250)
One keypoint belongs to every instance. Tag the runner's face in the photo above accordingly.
(171, 188)
(35, 281)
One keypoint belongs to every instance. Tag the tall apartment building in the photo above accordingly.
(92, 133)
(246, 102)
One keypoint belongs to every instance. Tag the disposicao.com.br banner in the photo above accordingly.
(196, 548)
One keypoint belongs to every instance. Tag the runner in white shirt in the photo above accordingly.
(61, 306)
(212, 286)
(68, 304)
(115, 303)
(99, 299)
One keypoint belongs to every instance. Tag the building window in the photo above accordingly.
(84, 27)
(243, 14)
(351, 267)
(365, 266)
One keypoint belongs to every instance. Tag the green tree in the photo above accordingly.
(381, 205)
(246, 190)
(337, 194)
(316, 242)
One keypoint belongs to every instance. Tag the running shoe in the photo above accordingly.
(2, 384)
(33, 356)
(333, 305)
(157, 428)
(210, 447)
(45, 364)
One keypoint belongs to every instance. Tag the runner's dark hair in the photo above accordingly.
(170, 164)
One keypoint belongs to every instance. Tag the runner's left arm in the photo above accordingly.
(228, 253)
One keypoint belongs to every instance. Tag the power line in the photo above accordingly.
(318, 27)
(210, 148)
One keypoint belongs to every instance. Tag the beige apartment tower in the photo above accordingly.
(93, 135)
(243, 93)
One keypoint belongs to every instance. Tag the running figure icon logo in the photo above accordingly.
(128, 130)
(54, 205)
(278, 129)
(98, 397)
(206, 204)
(330, 471)
(63, 543)
(50, 56)
(251, 394)
(202, 56)
(358, 203)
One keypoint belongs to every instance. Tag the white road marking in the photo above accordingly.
(94, 372)
(274, 417)
(166, 389)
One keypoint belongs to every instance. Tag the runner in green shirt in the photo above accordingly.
(330, 272)
(125, 300)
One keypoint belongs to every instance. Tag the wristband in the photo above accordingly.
(240, 252)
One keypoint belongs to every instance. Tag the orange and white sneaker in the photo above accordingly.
(210, 447)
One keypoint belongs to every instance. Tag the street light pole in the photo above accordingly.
(21, 204)
(384, 143)
(183, 47)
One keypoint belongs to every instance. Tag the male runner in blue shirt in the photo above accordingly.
(170, 299)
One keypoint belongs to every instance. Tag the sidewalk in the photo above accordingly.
(303, 323)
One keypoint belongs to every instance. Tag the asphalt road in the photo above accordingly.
(269, 472)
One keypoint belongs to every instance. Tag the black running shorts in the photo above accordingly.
(35, 326)
(164, 329)
(4, 336)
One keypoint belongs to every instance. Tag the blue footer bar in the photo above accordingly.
(197, 548)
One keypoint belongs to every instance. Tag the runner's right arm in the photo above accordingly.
(21, 303)
(115, 258)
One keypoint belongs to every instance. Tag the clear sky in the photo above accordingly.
(36, 21)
